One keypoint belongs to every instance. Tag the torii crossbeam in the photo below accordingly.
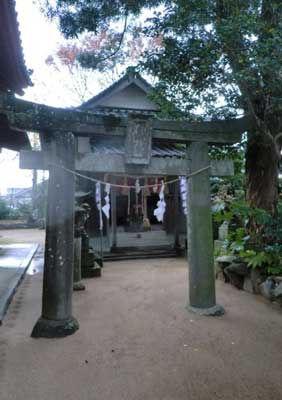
(65, 146)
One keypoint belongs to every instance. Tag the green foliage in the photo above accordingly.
(28, 210)
(213, 53)
(24, 209)
(4, 209)
(8, 212)
(260, 249)
(227, 190)
(78, 16)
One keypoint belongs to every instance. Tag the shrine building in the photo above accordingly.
(132, 227)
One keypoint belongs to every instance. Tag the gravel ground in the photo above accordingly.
(138, 342)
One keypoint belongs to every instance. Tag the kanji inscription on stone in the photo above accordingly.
(138, 141)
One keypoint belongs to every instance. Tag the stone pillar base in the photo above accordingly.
(215, 311)
(78, 286)
(48, 328)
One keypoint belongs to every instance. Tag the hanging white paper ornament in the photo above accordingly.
(107, 207)
(137, 186)
(183, 192)
(161, 205)
(98, 204)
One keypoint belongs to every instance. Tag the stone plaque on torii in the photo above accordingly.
(62, 129)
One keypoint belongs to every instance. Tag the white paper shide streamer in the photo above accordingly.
(137, 186)
(161, 205)
(107, 207)
(99, 205)
(183, 192)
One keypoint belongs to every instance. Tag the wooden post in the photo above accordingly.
(57, 319)
(114, 216)
(176, 211)
(199, 232)
(108, 232)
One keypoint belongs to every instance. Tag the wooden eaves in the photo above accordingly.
(14, 76)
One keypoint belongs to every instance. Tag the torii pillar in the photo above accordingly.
(202, 299)
(56, 319)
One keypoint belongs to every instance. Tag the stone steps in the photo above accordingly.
(140, 254)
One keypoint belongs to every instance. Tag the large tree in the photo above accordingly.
(217, 58)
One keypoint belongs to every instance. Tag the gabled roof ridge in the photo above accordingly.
(129, 76)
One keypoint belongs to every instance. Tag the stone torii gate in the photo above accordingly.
(64, 135)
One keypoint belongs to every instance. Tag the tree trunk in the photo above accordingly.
(261, 174)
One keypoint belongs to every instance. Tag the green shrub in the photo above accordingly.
(4, 209)
(256, 236)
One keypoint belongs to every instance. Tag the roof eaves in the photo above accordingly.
(25, 72)
(19, 77)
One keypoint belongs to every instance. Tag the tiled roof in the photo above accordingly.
(14, 75)
(121, 112)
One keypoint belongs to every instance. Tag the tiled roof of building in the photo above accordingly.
(14, 75)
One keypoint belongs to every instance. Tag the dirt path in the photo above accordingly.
(138, 342)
